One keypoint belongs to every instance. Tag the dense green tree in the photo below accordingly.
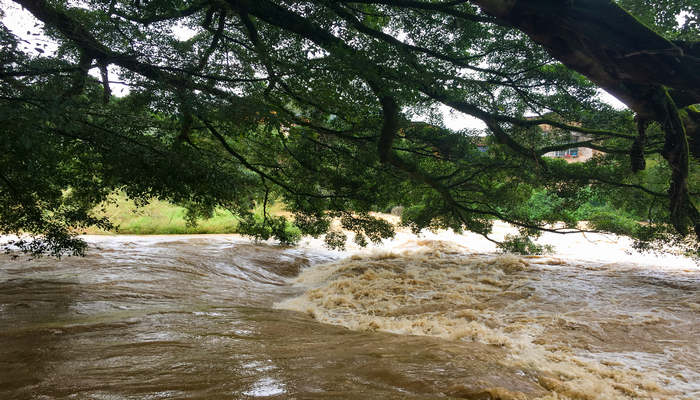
(316, 103)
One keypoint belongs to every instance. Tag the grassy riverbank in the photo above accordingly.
(159, 217)
(163, 218)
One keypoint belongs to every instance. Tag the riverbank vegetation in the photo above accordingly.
(336, 109)
(159, 217)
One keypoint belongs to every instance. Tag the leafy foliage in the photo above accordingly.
(316, 104)
(523, 244)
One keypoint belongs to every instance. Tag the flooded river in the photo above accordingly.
(219, 317)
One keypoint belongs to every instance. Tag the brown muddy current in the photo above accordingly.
(218, 317)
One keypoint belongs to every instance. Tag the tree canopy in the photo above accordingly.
(334, 108)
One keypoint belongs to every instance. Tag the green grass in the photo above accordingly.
(159, 217)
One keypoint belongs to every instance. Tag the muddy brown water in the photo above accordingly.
(219, 317)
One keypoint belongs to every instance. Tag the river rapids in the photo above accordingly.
(436, 316)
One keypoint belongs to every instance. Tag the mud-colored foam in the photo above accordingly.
(548, 316)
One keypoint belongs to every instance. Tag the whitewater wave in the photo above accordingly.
(607, 331)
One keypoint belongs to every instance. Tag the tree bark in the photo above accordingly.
(612, 48)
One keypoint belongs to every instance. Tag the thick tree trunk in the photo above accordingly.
(602, 41)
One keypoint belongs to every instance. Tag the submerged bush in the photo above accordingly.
(522, 244)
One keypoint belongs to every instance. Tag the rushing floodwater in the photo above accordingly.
(218, 317)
